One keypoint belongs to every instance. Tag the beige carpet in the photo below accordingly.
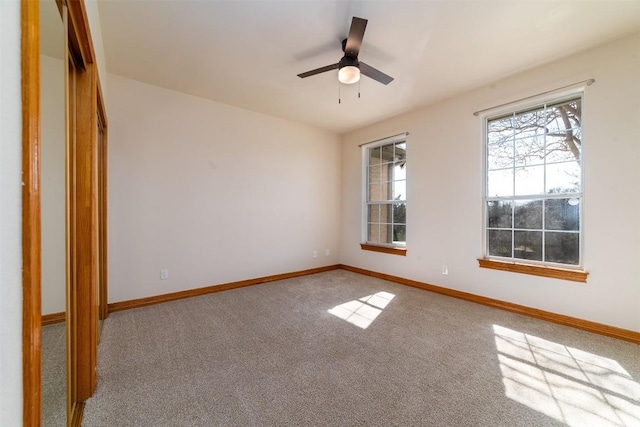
(54, 374)
(342, 349)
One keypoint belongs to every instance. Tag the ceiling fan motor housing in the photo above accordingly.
(348, 61)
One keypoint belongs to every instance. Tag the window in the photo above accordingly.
(385, 207)
(533, 187)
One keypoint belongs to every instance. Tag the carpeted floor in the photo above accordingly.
(342, 349)
(54, 374)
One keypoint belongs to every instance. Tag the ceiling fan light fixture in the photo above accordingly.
(349, 74)
(349, 67)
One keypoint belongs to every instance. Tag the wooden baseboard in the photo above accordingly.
(143, 302)
(598, 328)
(53, 318)
(586, 325)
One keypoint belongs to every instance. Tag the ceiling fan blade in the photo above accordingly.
(375, 74)
(356, 33)
(318, 71)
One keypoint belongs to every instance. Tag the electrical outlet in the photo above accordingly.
(164, 274)
(327, 252)
(315, 254)
(445, 270)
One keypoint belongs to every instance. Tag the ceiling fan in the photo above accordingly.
(349, 68)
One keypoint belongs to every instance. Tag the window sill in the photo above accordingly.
(384, 249)
(535, 270)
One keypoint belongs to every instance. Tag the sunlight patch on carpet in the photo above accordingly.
(363, 311)
(570, 385)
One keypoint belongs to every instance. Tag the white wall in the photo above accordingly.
(10, 217)
(445, 173)
(213, 193)
(52, 171)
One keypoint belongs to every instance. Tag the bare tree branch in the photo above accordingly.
(569, 138)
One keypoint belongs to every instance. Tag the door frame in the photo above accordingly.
(103, 126)
(83, 312)
(31, 292)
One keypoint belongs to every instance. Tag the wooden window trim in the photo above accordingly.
(384, 249)
(535, 270)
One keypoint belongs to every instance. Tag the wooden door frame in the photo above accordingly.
(31, 265)
(84, 310)
(103, 310)
(84, 238)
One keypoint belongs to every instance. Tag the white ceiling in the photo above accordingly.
(248, 53)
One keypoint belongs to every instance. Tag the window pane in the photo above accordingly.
(499, 131)
(563, 248)
(564, 116)
(564, 146)
(500, 183)
(399, 190)
(386, 213)
(529, 123)
(499, 214)
(562, 214)
(379, 213)
(399, 233)
(387, 153)
(563, 178)
(400, 213)
(529, 180)
(380, 233)
(499, 243)
(375, 173)
(528, 130)
(528, 214)
(388, 230)
(529, 151)
(374, 156)
(379, 192)
(373, 233)
(399, 170)
(373, 213)
(527, 245)
(500, 155)
(401, 151)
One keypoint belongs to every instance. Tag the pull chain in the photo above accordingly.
(359, 88)
(339, 100)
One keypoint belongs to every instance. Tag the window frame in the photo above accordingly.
(398, 248)
(527, 266)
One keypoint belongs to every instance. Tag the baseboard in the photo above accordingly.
(586, 325)
(143, 302)
(53, 318)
